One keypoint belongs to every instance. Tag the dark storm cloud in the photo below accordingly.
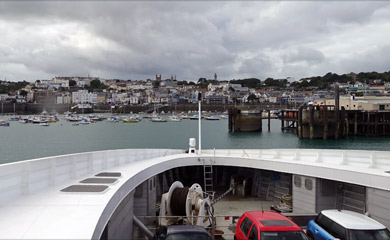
(136, 40)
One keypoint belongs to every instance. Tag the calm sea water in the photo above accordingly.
(27, 141)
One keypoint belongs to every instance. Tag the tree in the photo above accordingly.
(156, 84)
(269, 82)
(252, 98)
(23, 93)
(202, 80)
(72, 83)
(95, 84)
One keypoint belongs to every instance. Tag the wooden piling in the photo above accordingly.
(376, 124)
(336, 112)
(325, 122)
(368, 123)
(269, 120)
(311, 121)
(300, 134)
(355, 130)
(342, 121)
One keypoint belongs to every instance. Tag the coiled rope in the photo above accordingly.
(178, 201)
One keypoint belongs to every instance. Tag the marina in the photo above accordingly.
(65, 137)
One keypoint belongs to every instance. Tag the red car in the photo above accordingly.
(267, 225)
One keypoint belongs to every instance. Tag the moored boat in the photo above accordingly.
(158, 119)
(174, 118)
(194, 117)
(4, 123)
(213, 118)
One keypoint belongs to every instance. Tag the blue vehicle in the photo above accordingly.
(345, 225)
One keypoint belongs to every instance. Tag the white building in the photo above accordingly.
(134, 100)
(83, 96)
(3, 97)
(119, 98)
(63, 98)
(80, 83)
(65, 84)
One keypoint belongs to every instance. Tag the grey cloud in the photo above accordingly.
(190, 39)
(305, 54)
(259, 66)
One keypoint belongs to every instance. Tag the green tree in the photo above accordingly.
(23, 93)
(72, 83)
(252, 98)
(156, 84)
(95, 84)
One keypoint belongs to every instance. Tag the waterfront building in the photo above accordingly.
(119, 97)
(63, 98)
(3, 97)
(365, 103)
(134, 100)
(101, 97)
(83, 96)
(215, 99)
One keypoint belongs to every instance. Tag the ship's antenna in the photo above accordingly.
(199, 121)
(262, 207)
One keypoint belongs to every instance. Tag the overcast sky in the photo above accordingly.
(235, 39)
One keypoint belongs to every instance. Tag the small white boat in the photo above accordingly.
(4, 123)
(174, 118)
(158, 119)
(194, 117)
(44, 124)
(23, 120)
(213, 118)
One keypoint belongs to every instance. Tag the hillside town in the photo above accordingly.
(97, 91)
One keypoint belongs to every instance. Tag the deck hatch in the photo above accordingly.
(85, 188)
(109, 174)
(99, 180)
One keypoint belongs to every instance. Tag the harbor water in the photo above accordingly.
(27, 141)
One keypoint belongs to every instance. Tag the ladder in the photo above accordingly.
(208, 178)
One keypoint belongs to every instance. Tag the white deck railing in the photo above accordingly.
(367, 159)
(21, 178)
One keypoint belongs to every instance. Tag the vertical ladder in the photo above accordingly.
(208, 178)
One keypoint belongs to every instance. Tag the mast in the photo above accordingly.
(199, 121)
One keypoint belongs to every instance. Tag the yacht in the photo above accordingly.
(174, 118)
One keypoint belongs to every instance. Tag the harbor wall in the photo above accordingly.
(37, 108)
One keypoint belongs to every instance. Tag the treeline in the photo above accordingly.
(7, 87)
(325, 81)
(246, 82)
